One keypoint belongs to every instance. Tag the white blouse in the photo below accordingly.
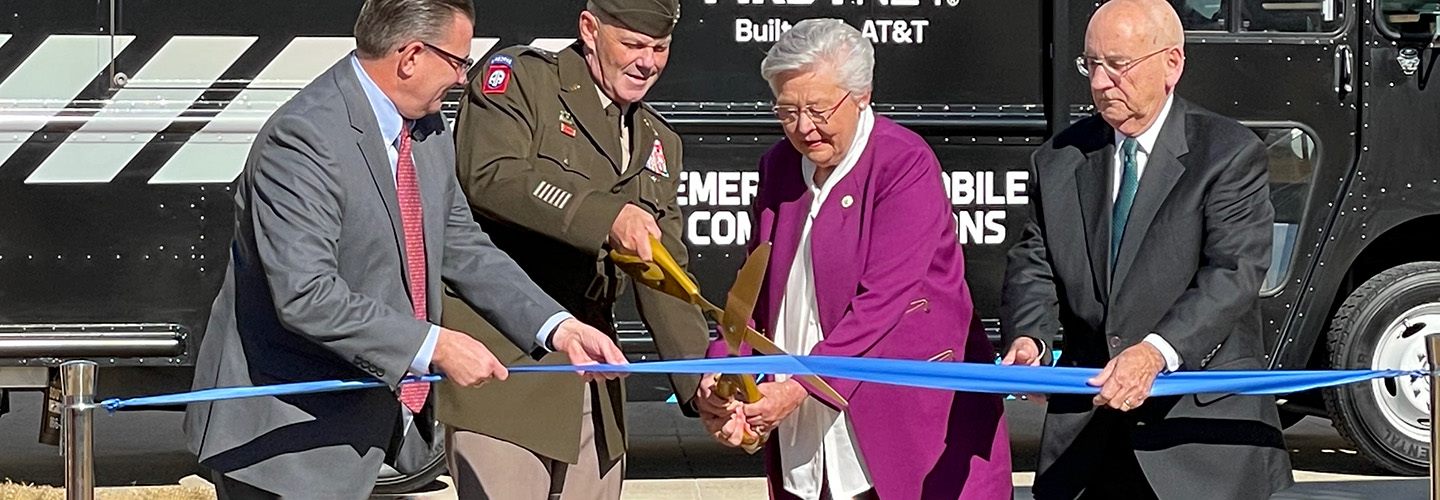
(817, 445)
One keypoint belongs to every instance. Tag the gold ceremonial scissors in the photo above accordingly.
(665, 275)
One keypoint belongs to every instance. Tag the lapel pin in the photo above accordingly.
(847, 201)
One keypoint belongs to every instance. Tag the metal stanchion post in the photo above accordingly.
(77, 384)
(1432, 347)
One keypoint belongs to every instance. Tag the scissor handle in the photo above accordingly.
(662, 273)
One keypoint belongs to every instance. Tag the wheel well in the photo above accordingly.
(1410, 241)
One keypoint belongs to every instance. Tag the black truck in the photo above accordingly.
(123, 123)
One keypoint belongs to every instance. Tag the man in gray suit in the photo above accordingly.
(1148, 240)
(348, 219)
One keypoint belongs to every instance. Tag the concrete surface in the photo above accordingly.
(671, 458)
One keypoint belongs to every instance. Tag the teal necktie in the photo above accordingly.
(1129, 183)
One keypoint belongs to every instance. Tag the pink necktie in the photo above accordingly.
(408, 189)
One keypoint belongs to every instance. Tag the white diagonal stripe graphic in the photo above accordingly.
(47, 81)
(216, 154)
(481, 46)
(110, 139)
(565, 200)
(552, 44)
(300, 62)
(4, 37)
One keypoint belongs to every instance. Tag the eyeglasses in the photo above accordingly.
(461, 64)
(1116, 69)
(791, 114)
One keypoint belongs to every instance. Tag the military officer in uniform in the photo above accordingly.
(562, 163)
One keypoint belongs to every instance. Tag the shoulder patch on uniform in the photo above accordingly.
(501, 59)
(497, 78)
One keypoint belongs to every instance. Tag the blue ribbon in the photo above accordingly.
(969, 377)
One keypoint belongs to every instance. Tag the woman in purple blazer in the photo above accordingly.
(865, 263)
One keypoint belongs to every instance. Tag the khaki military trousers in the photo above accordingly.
(485, 468)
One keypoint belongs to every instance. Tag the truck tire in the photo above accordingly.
(1382, 325)
(394, 482)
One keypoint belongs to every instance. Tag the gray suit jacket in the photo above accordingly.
(1195, 252)
(316, 290)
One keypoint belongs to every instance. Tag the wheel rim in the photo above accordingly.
(1405, 401)
(389, 476)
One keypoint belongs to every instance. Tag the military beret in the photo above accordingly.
(655, 18)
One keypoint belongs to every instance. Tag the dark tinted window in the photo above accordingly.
(1292, 154)
(1202, 15)
(1409, 16)
(1294, 16)
(1275, 16)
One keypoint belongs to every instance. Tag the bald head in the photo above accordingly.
(1148, 22)
(1135, 53)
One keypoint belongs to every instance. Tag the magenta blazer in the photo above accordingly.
(889, 283)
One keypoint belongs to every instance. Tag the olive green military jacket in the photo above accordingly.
(540, 162)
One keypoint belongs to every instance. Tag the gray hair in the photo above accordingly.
(385, 25)
(813, 43)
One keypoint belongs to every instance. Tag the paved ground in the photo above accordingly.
(671, 458)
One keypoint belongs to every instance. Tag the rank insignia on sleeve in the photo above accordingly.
(497, 79)
(656, 163)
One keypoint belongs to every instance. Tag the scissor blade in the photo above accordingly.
(764, 345)
(740, 304)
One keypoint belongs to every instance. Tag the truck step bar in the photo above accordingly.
(74, 341)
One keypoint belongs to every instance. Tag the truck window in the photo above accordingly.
(1202, 15)
(1291, 16)
(1270, 16)
(1399, 17)
(1293, 154)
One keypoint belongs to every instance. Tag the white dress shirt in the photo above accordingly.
(817, 444)
(1146, 142)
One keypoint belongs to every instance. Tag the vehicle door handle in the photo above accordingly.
(1344, 71)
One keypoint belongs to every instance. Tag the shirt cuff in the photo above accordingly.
(421, 364)
(1172, 358)
(1040, 344)
(543, 336)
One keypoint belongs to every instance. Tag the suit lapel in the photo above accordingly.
(582, 100)
(372, 147)
(833, 232)
(1091, 178)
(1162, 172)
